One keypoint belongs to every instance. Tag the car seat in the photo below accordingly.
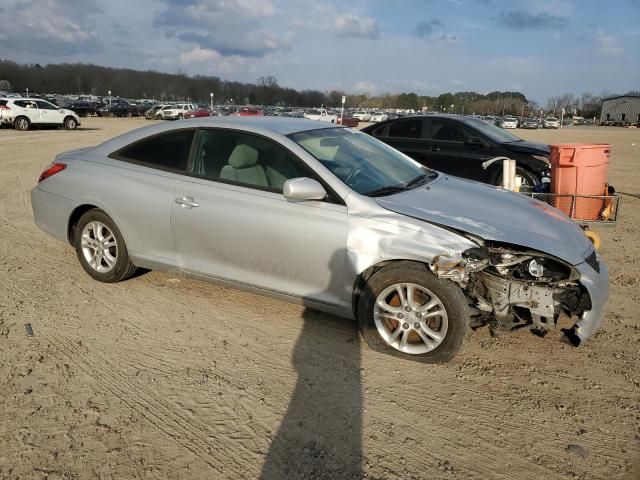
(242, 167)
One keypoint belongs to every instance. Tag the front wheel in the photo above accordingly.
(528, 179)
(405, 311)
(70, 123)
(101, 249)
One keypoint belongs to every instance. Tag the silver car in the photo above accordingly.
(330, 218)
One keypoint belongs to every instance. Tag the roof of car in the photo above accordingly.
(279, 125)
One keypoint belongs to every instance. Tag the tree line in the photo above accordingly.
(84, 79)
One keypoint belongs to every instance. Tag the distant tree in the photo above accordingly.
(5, 86)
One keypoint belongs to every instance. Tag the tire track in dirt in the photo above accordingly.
(193, 435)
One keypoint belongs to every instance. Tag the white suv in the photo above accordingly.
(22, 113)
(176, 112)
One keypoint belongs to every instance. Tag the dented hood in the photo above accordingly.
(493, 214)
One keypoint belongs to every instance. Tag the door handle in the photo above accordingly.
(435, 148)
(187, 202)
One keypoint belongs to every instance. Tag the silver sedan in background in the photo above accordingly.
(330, 218)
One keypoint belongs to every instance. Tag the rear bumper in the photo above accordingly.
(597, 285)
(51, 213)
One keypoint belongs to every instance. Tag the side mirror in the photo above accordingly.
(302, 189)
(475, 141)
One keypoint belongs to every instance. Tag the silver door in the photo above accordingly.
(258, 238)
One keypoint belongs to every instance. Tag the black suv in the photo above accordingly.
(459, 146)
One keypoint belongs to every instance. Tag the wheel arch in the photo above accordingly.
(80, 210)
(363, 277)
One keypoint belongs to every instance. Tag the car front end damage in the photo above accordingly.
(511, 288)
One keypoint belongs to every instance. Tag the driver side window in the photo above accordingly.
(244, 159)
(45, 105)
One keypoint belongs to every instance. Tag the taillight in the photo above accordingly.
(5, 107)
(52, 170)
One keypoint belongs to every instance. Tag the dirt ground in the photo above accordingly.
(166, 377)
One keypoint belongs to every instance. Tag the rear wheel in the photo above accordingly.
(101, 249)
(22, 123)
(405, 311)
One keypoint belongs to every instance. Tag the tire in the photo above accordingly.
(114, 264)
(402, 334)
(180, 117)
(70, 123)
(22, 123)
(529, 179)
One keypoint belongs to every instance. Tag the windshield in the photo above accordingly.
(495, 133)
(363, 163)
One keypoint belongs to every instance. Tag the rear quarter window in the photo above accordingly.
(410, 128)
(166, 151)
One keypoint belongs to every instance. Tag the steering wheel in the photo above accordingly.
(352, 175)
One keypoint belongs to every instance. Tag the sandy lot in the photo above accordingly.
(166, 377)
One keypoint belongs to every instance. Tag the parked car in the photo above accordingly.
(154, 112)
(328, 217)
(176, 112)
(551, 122)
(321, 115)
(460, 145)
(104, 111)
(6, 114)
(348, 121)
(142, 107)
(25, 113)
(117, 109)
(509, 122)
(83, 109)
(362, 116)
(197, 113)
(248, 112)
(531, 123)
(378, 117)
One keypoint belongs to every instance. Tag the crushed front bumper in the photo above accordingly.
(597, 285)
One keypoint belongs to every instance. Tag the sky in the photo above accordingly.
(542, 48)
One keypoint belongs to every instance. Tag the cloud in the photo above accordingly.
(425, 29)
(446, 38)
(250, 44)
(357, 27)
(365, 86)
(213, 62)
(607, 45)
(229, 27)
(203, 13)
(48, 27)
(522, 20)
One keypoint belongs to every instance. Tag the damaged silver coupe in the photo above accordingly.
(330, 218)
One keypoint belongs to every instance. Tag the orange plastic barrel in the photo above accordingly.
(579, 169)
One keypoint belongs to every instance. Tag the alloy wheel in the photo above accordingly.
(99, 247)
(410, 318)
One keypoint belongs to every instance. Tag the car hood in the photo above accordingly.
(493, 214)
(528, 147)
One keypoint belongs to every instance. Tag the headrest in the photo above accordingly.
(243, 156)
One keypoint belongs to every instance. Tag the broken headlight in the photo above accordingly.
(535, 268)
(542, 269)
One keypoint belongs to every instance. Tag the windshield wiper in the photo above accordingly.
(388, 190)
(420, 179)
